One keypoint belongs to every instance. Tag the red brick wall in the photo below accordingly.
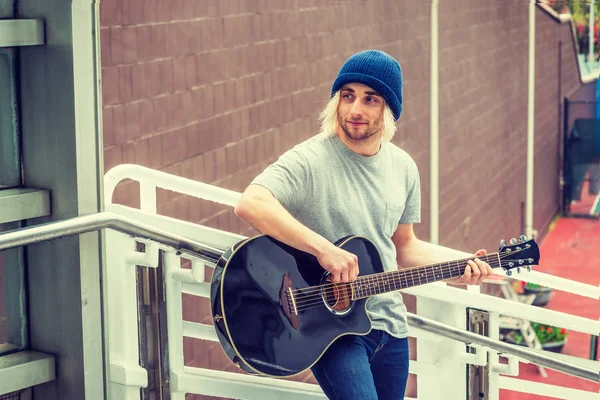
(483, 98)
(215, 90)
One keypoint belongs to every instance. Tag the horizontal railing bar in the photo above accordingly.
(167, 181)
(199, 331)
(555, 282)
(223, 383)
(543, 389)
(234, 385)
(502, 347)
(442, 292)
(197, 289)
(104, 220)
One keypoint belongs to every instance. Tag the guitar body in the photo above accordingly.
(254, 315)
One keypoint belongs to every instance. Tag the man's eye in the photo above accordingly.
(371, 99)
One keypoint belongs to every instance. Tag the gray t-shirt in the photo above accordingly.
(336, 193)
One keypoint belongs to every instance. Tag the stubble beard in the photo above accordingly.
(357, 135)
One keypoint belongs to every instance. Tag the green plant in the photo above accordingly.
(548, 334)
(544, 333)
(531, 285)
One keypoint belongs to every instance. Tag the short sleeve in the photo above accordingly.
(412, 211)
(288, 179)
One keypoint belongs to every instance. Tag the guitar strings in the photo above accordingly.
(318, 300)
(316, 291)
(445, 265)
(307, 299)
(307, 296)
(368, 280)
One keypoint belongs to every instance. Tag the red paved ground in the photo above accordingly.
(571, 250)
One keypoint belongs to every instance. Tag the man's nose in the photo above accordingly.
(356, 110)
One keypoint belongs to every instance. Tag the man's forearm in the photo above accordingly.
(269, 217)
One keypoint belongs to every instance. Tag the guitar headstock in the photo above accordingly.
(521, 253)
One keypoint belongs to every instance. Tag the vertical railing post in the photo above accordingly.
(493, 333)
(445, 354)
(147, 197)
(126, 375)
(174, 322)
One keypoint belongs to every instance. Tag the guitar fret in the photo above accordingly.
(438, 274)
(403, 275)
(450, 269)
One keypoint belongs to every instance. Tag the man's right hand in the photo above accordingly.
(341, 264)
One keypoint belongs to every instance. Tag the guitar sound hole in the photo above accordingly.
(338, 296)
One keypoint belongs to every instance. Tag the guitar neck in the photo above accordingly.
(384, 282)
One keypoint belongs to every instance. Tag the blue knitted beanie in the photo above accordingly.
(379, 71)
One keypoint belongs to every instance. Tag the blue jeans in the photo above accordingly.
(370, 367)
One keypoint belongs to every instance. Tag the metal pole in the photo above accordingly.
(530, 124)
(591, 34)
(94, 222)
(434, 185)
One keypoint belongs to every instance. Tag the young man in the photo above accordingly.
(350, 180)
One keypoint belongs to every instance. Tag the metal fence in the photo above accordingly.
(581, 159)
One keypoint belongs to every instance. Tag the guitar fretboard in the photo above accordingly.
(370, 285)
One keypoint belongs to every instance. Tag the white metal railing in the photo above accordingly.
(436, 301)
(199, 254)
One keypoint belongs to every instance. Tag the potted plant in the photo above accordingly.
(552, 338)
(542, 293)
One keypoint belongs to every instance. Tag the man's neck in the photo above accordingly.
(365, 147)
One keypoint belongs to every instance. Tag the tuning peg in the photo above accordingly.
(521, 262)
(513, 241)
(502, 243)
(523, 238)
(518, 270)
(528, 268)
(530, 260)
(508, 273)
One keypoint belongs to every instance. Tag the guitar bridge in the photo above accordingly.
(288, 301)
(291, 301)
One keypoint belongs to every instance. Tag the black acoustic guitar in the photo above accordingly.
(275, 311)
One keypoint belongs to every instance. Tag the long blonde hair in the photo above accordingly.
(330, 125)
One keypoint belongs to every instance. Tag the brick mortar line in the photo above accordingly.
(198, 121)
(219, 49)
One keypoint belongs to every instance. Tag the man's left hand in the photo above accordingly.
(475, 271)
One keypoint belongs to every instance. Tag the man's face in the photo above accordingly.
(360, 112)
